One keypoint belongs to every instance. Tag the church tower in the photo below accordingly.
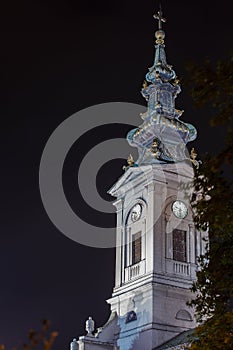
(157, 243)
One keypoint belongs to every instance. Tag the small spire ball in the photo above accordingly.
(160, 35)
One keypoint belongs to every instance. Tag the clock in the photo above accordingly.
(136, 212)
(179, 209)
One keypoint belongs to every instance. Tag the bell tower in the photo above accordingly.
(157, 244)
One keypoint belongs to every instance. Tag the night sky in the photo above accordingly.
(59, 57)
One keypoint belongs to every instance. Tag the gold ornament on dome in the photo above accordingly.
(154, 148)
(130, 162)
(144, 84)
(193, 156)
(176, 81)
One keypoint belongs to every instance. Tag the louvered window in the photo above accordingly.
(179, 245)
(136, 248)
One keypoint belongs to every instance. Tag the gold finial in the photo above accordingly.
(130, 162)
(144, 84)
(193, 156)
(154, 148)
(137, 132)
(179, 111)
(159, 35)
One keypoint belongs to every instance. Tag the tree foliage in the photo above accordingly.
(215, 333)
(212, 85)
(42, 340)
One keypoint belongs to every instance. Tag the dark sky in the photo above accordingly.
(57, 58)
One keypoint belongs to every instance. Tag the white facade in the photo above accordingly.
(157, 244)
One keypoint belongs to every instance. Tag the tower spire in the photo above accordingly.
(162, 137)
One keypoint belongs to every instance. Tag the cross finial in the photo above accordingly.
(159, 17)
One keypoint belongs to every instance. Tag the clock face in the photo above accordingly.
(136, 212)
(179, 209)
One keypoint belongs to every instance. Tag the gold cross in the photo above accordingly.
(160, 18)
